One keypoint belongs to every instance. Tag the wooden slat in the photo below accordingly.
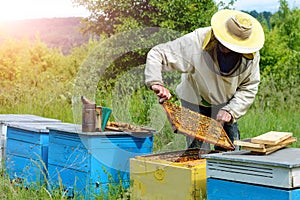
(259, 150)
(271, 137)
(248, 143)
(271, 148)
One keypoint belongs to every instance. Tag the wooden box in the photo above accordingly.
(27, 153)
(86, 163)
(5, 119)
(279, 169)
(170, 175)
(231, 190)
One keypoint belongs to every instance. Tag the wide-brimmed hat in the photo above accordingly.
(238, 31)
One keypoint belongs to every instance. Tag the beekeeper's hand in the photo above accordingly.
(162, 92)
(224, 116)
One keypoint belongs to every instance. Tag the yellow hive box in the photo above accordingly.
(171, 175)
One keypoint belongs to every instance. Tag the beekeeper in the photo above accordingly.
(219, 68)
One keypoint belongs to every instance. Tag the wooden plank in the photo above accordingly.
(258, 150)
(271, 148)
(272, 137)
(287, 141)
(247, 143)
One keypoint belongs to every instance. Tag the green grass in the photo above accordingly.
(11, 190)
(257, 122)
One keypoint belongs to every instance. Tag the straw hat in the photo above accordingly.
(238, 31)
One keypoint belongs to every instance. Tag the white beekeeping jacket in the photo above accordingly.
(201, 80)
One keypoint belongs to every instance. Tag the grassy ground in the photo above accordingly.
(257, 122)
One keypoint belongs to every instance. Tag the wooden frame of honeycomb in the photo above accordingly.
(196, 125)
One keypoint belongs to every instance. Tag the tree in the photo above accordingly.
(181, 15)
(110, 17)
(36, 79)
(280, 59)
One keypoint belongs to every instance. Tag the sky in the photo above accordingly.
(30, 9)
(261, 5)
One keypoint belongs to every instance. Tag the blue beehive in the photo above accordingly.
(5, 119)
(232, 190)
(87, 162)
(27, 152)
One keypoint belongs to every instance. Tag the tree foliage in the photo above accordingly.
(280, 59)
(37, 79)
(107, 16)
(181, 15)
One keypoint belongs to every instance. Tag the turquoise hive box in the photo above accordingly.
(87, 163)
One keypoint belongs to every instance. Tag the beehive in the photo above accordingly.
(170, 175)
(5, 119)
(232, 190)
(279, 169)
(242, 173)
(87, 162)
(27, 153)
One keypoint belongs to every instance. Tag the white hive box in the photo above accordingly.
(280, 169)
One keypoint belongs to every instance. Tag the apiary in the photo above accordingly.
(86, 163)
(5, 119)
(171, 175)
(278, 172)
(27, 153)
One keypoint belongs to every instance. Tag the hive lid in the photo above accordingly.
(196, 125)
(40, 127)
(287, 157)
(5, 118)
(77, 129)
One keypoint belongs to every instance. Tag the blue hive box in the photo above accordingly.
(231, 190)
(27, 153)
(87, 163)
(5, 119)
